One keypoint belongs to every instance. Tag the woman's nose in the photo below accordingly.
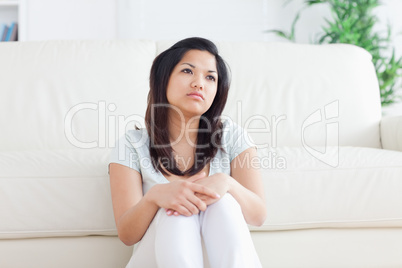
(197, 83)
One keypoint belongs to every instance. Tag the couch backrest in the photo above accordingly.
(313, 94)
(68, 94)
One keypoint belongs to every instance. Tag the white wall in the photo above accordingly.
(175, 19)
(70, 19)
(229, 20)
(237, 20)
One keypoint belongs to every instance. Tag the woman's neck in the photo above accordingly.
(183, 129)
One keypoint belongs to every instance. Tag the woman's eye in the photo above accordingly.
(187, 71)
(210, 77)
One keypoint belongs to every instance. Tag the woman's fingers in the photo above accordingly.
(184, 204)
(193, 205)
(198, 188)
(186, 209)
(193, 208)
(190, 202)
(207, 200)
(169, 212)
(198, 202)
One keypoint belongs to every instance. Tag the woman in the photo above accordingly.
(188, 177)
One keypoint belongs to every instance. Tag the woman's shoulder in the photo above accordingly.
(137, 137)
(235, 139)
(230, 127)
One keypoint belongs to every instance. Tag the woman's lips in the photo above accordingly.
(195, 96)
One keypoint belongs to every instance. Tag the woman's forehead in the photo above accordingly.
(199, 59)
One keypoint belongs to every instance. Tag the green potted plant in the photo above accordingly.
(353, 22)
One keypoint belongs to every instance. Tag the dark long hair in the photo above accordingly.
(156, 117)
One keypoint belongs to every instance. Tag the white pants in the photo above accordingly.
(178, 241)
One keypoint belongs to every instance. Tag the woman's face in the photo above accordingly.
(193, 83)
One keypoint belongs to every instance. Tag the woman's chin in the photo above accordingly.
(193, 111)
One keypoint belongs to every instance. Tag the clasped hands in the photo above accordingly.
(188, 196)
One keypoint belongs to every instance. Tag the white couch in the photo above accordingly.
(332, 171)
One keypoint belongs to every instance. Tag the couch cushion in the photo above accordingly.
(67, 193)
(55, 193)
(363, 190)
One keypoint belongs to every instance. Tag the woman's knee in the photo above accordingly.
(178, 240)
(173, 222)
(224, 219)
(225, 209)
(226, 203)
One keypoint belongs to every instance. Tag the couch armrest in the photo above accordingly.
(391, 133)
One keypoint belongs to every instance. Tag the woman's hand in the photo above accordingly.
(219, 182)
(179, 196)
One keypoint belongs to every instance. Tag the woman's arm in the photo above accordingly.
(245, 184)
(133, 211)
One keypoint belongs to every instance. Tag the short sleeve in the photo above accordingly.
(236, 138)
(124, 153)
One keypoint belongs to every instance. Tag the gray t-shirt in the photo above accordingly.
(132, 150)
